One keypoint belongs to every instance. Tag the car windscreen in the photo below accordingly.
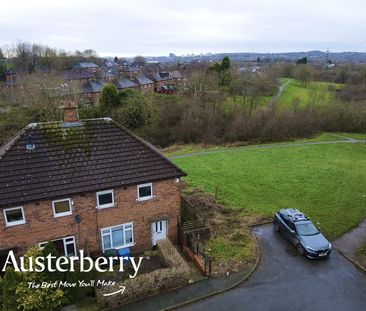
(306, 229)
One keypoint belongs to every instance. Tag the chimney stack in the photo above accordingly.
(70, 112)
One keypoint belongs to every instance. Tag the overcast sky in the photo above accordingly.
(127, 28)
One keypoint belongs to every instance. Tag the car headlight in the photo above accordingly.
(330, 246)
(310, 249)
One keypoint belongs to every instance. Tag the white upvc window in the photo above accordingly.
(105, 199)
(14, 216)
(117, 237)
(65, 246)
(61, 207)
(145, 192)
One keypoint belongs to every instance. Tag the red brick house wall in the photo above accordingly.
(41, 225)
(147, 88)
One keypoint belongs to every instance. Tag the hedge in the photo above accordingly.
(175, 275)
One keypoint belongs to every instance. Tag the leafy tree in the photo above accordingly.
(90, 112)
(38, 299)
(108, 97)
(135, 110)
(215, 67)
(1, 294)
(287, 70)
(139, 60)
(48, 249)
(303, 60)
(9, 290)
(303, 73)
(2, 71)
(225, 64)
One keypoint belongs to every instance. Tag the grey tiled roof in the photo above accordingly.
(124, 83)
(142, 80)
(110, 63)
(92, 155)
(131, 69)
(161, 76)
(93, 86)
(85, 65)
(77, 74)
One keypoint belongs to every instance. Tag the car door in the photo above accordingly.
(287, 230)
(281, 223)
(292, 234)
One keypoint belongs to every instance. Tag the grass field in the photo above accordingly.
(294, 90)
(175, 150)
(328, 182)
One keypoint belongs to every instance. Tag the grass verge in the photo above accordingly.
(327, 182)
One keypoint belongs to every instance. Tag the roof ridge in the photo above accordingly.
(5, 147)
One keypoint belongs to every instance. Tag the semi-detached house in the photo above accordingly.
(88, 184)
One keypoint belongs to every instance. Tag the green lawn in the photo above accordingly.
(360, 136)
(327, 182)
(191, 148)
(313, 91)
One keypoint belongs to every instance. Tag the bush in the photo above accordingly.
(1, 294)
(134, 110)
(9, 290)
(38, 299)
(108, 97)
(175, 275)
(169, 255)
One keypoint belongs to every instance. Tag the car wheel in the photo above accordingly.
(300, 249)
(276, 226)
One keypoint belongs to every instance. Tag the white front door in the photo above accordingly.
(158, 229)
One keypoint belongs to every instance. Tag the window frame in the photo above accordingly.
(63, 213)
(14, 223)
(139, 199)
(105, 205)
(110, 236)
(65, 244)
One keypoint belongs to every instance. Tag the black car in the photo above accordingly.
(301, 232)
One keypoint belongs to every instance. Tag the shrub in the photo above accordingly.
(9, 285)
(38, 299)
(175, 275)
(169, 255)
(1, 294)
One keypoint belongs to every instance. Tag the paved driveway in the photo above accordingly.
(285, 281)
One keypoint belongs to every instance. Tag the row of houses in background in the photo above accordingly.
(161, 82)
(91, 78)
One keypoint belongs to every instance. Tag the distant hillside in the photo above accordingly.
(313, 56)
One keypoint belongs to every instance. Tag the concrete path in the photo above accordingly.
(199, 290)
(282, 88)
(351, 241)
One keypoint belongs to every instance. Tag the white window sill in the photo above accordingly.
(127, 245)
(62, 214)
(120, 247)
(17, 223)
(106, 206)
(145, 198)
